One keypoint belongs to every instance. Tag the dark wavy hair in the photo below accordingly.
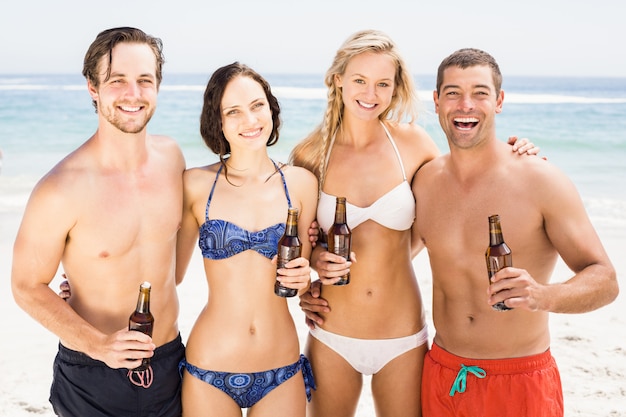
(211, 116)
(103, 46)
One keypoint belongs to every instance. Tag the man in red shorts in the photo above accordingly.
(485, 362)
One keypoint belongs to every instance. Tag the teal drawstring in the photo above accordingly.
(461, 378)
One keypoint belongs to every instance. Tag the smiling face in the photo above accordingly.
(467, 104)
(246, 114)
(367, 85)
(127, 99)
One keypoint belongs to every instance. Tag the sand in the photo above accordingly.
(590, 349)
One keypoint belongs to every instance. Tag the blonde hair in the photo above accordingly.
(311, 152)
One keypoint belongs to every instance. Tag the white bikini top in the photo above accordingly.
(394, 210)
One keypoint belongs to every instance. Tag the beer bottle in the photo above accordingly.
(142, 320)
(340, 237)
(498, 254)
(289, 247)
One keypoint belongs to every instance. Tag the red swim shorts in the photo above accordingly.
(462, 387)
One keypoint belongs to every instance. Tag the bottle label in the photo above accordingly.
(145, 328)
(494, 264)
(340, 245)
(286, 254)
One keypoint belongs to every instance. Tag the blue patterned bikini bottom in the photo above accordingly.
(246, 389)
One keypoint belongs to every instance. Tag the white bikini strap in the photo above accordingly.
(395, 148)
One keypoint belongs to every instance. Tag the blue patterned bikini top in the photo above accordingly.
(221, 239)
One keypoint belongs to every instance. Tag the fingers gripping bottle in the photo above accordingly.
(289, 247)
(340, 237)
(142, 320)
(498, 254)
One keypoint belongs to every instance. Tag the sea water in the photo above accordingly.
(579, 123)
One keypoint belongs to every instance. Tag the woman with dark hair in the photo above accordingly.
(243, 351)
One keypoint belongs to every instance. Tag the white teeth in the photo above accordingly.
(132, 109)
(366, 105)
(466, 120)
(251, 134)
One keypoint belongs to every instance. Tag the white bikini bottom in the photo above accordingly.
(368, 356)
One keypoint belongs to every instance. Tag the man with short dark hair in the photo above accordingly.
(109, 214)
(485, 362)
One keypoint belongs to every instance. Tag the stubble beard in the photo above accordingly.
(127, 126)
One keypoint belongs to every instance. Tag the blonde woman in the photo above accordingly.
(368, 150)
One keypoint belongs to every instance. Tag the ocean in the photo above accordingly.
(579, 123)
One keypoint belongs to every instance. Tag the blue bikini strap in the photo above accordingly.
(206, 212)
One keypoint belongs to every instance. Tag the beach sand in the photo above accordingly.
(590, 349)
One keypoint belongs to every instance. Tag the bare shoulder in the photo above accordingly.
(414, 143)
(59, 195)
(302, 184)
(165, 142)
(197, 178)
(536, 169)
(539, 180)
(168, 147)
(410, 134)
(69, 174)
(299, 174)
(430, 172)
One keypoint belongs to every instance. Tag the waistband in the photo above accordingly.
(322, 335)
(79, 358)
(505, 366)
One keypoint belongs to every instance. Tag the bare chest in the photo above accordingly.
(116, 217)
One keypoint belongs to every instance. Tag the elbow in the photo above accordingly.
(611, 287)
(179, 280)
(614, 288)
(20, 294)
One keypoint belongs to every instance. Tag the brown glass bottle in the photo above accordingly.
(289, 247)
(340, 237)
(498, 254)
(142, 320)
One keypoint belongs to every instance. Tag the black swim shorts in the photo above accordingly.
(84, 387)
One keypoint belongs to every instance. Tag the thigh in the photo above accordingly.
(338, 384)
(202, 399)
(97, 392)
(396, 387)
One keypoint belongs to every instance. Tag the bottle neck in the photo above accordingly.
(495, 234)
(291, 228)
(340, 211)
(143, 302)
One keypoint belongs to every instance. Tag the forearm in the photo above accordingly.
(416, 247)
(593, 287)
(315, 254)
(51, 311)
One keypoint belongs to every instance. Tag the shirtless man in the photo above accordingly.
(109, 213)
(485, 362)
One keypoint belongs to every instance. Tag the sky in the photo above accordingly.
(530, 37)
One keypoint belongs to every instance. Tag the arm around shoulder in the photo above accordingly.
(194, 183)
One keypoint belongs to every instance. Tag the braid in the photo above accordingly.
(313, 151)
(326, 131)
